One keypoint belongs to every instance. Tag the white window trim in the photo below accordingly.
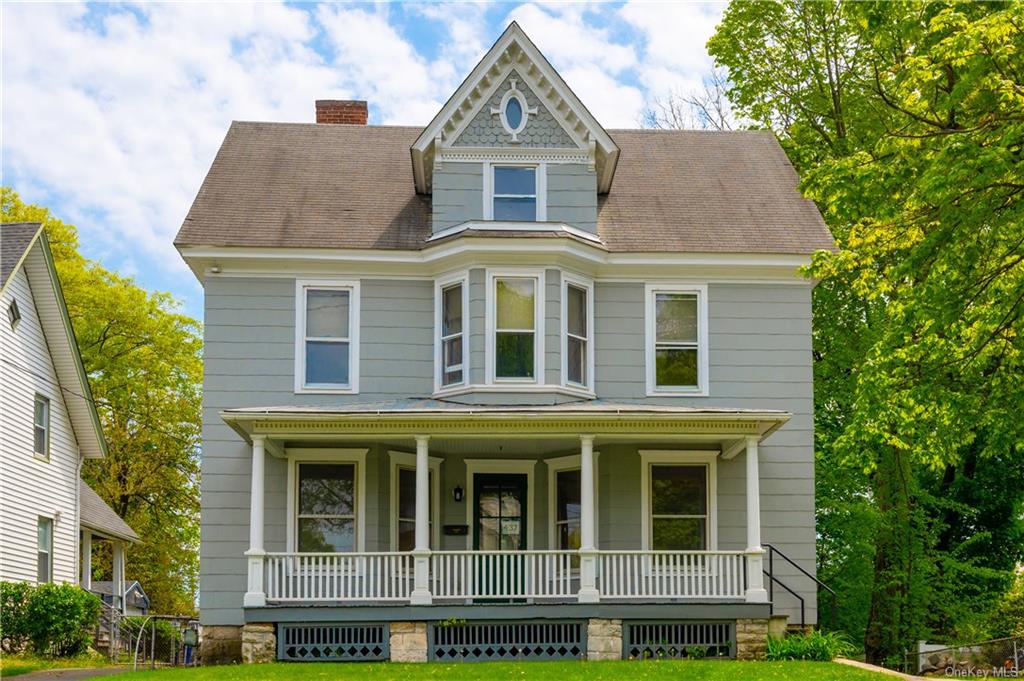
(301, 286)
(514, 93)
(45, 455)
(490, 304)
(439, 286)
(408, 460)
(305, 455)
(671, 457)
(588, 286)
(701, 389)
(556, 466)
(541, 178)
(521, 466)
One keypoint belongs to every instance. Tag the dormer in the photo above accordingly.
(514, 145)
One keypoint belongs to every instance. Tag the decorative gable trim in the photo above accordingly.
(513, 50)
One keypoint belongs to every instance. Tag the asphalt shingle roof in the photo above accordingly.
(15, 238)
(94, 513)
(292, 185)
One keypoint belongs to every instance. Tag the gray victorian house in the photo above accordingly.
(511, 385)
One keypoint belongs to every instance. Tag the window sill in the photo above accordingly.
(672, 392)
(327, 390)
(40, 457)
(514, 388)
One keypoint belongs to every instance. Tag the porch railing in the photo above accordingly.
(503, 574)
(671, 574)
(483, 575)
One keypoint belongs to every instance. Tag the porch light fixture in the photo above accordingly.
(457, 493)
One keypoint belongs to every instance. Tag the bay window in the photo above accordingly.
(451, 341)
(516, 328)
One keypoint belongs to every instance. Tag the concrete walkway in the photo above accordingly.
(880, 670)
(72, 674)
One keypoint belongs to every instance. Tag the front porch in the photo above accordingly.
(499, 563)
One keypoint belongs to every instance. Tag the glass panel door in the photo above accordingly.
(500, 525)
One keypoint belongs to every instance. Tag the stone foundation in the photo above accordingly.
(408, 641)
(259, 644)
(751, 639)
(220, 644)
(604, 639)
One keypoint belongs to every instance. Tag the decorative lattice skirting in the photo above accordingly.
(673, 640)
(332, 642)
(477, 642)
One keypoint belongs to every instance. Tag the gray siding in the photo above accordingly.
(572, 195)
(458, 194)
(759, 355)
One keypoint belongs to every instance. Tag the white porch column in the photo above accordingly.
(755, 554)
(255, 596)
(85, 581)
(421, 553)
(588, 551)
(118, 569)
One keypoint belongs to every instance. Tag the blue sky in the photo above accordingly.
(112, 113)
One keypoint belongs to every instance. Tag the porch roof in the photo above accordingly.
(426, 416)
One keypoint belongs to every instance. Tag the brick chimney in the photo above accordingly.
(350, 111)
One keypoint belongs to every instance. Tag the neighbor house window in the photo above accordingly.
(41, 428)
(326, 507)
(676, 340)
(576, 313)
(515, 193)
(452, 334)
(328, 347)
(515, 328)
(679, 508)
(567, 509)
(44, 556)
(13, 314)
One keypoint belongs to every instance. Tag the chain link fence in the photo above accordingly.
(147, 641)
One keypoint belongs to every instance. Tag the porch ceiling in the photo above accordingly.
(398, 421)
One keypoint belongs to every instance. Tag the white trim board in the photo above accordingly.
(298, 456)
(649, 457)
(520, 466)
(408, 460)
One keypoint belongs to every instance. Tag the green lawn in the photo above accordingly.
(14, 665)
(718, 670)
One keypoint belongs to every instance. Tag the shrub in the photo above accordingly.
(13, 622)
(813, 645)
(60, 619)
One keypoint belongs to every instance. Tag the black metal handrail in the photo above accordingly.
(772, 580)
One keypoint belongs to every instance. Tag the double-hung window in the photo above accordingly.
(576, 346)
(515, 318)
(567, 509)
(327, 348)
(514, 193)
(41, 427)
(326, 507)
(44, 555)
(452, 302)
(677, 340)
(679, 497)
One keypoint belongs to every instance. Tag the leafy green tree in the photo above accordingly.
(144, 362)
(906, 121)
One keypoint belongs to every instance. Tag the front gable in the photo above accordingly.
(556, 120)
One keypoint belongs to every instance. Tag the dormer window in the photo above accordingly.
(515, 193)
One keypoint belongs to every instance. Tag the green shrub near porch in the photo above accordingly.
(56, 619)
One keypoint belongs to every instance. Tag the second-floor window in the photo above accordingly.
(41, 427)
(452, 334)
(677, 340)
(327, 348)
(515, 328)
(514, 193)
(577, 324)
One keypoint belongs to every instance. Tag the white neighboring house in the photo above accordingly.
(48, 426)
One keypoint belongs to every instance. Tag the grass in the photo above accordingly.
(705, 670)
(15, 665)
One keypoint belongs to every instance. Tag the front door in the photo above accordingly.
(499, 525)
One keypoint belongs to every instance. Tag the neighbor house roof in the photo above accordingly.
(292, 185)
(96, 515)
(24, 245)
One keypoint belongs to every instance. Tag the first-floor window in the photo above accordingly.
(407, 508)
(679, 507)
(42, 427)
(327, 507)
(567, 509)
(44, 557)
(515, 328)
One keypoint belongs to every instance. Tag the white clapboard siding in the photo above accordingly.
(29, 487)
